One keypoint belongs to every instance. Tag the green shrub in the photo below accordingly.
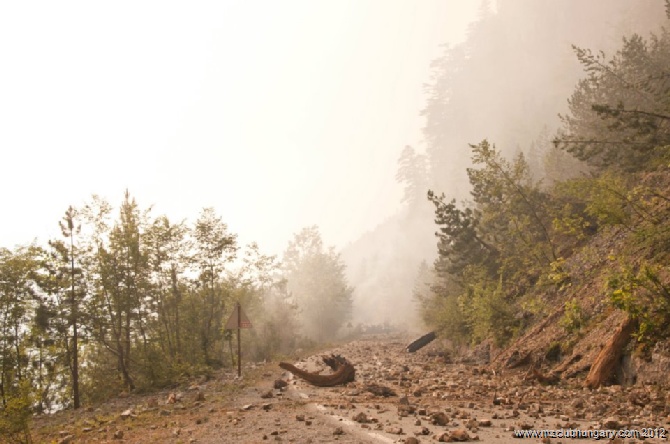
(15, 416)
(644, 295)
(573, 317)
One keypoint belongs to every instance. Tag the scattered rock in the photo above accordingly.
(380, 390)
(611, 423)
(361, 418)
(338, 431)
(394, 430)
(458, 435)
(439, 418)
(443, 437)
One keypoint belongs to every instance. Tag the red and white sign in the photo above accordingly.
(238, 316)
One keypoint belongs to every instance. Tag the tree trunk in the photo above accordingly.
(421, 342)
(344, 372)
(126, 359)
(74, 313)
(177, 302)
(604, 367)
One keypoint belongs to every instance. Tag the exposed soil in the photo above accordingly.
(396, 397)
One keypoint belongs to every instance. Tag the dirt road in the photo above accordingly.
(429, 400)
(439, 401)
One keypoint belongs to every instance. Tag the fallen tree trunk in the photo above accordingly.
(344, 372)
(334, 362)
(604, 367)
(421, 342)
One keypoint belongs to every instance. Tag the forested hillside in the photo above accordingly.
(579, 255)
(506, 83)
(125, 301)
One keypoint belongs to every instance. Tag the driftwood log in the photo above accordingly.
(604, 367)
(421, 342)
(343, 372)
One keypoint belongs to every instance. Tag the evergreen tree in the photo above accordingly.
(620, 113)
(69, 228)
(413, 174)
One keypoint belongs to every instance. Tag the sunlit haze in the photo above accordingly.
(279, 114)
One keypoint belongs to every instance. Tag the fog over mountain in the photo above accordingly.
(507, 82)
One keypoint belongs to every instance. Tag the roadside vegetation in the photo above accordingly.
(129, 302)
(532, 220)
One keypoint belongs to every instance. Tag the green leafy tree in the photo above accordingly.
(118, 302)
(643, 291)
(17, 302)
(261, 289)
(491, 252)
(168, 245)
(316, 281)
(214, 248)
(15, 416)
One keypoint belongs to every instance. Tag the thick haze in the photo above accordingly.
(279, 114)
(506, 82)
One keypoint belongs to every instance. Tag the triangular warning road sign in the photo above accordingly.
(236, 316)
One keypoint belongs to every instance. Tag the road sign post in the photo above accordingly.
(238, 320)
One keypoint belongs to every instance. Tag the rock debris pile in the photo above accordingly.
(418, 397)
